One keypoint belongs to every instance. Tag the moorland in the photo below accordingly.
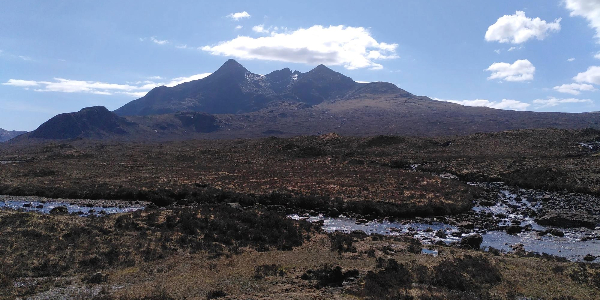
(217, 225)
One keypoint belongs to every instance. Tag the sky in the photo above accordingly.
(536, 55)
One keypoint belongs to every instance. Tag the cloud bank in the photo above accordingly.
(517, 29)
(520, 70)
(137, 89)
(350, 47)
(506, 104)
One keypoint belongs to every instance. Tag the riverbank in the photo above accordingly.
(225, 252)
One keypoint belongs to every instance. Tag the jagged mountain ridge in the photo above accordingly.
(286, 103)
(6, 135)
(232, 89)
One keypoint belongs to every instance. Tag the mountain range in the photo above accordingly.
(233, 102)
(6, 135)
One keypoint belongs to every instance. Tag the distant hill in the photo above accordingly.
(235, 103)
(6, 135)
(92, 122)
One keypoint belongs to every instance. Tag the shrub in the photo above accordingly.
(466, 273)
(327, 275)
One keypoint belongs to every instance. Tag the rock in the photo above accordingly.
(555, 232)
(235, 205)
(472, 241)
(518, 248)
(466, 225)
(441, 234)
(567, 219)
(589, 257)
(514, 229)
(59, 210)
(97, 278)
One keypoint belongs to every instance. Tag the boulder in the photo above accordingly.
(472, 241)
(567, 219)
(59, 210)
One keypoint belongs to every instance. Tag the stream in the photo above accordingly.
(504, 223)
(514, 209)
(79, 207)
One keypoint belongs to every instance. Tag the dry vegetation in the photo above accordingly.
(202, 246)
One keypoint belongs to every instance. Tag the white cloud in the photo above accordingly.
(597, 55)
(160, 42)
(517, 29)
(571, 59)
(21, 83)
(137, 89)
(239, 27)
(181, 46)
(497, 51)
(555, 101)
(239, 15)
(515, 48)
(180, 80)
(574, 88)
(588, 9)
(25, 58)
(351, 47)
(592, 75)
(260, 29)
(520, 70)
(504, 104)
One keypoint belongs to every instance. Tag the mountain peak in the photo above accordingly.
(321, 68)
(231, 66)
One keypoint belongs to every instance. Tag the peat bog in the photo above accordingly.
(216, 225)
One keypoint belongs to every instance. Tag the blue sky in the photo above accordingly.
(61, 56)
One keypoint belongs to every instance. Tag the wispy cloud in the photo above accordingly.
(351, 47)
(137, 89)
(238, 15)
(550, 102)
(21, 83)
(574, 88)
(506, 104)
(260, 29)
(157, 41)
(571, 59)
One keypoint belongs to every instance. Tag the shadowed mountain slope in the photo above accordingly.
(233, 89)
(90, 122)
